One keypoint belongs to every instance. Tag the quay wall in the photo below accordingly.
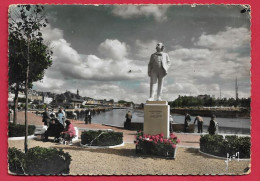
(219, 113)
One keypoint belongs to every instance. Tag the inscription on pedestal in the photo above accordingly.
(155, 115)
(156, 118)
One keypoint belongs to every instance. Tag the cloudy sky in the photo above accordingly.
(95, 47)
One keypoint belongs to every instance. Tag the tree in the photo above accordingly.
(28, 55)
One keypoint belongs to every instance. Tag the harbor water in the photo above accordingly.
(116, 117)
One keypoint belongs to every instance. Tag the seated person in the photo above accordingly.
(54, 129)
(69, 132)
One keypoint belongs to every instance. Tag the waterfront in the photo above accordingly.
(116, 117)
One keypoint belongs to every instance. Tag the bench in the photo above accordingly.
(40, 130)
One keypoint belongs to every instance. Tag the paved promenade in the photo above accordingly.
(187, 139)
(124, 161)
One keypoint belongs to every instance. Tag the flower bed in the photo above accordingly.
(219, 146)
(39, 161)
(156, 144)
(18, 130)
(101, 138)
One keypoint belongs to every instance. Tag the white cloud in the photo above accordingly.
(49, 34)
(48, 84)
(133, 11)
(145, 49)
(69, 67)
(231, 38)
(64, 53)
(212, 62)
(113, 49)
(186, 54)
(204, 69)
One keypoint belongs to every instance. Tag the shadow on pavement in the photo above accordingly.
(121, 151)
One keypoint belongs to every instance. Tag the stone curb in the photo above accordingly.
(96, 147)
(21, 138)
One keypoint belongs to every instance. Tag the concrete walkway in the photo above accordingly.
(124, 161)
(187, 139)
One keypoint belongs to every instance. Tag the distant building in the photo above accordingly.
(110, 102)
(47, 97)
(68, 100)
(34, 95)
(99, 101)
(88, 101)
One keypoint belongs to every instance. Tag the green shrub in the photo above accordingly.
(210, 143)
(101, 138)
(219, 146)
(17, 130)
(39, 161)
(15, 160)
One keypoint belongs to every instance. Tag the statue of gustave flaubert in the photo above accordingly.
(157, 70)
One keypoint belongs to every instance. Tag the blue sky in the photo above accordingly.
(96, 46)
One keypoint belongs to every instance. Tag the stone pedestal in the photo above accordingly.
(156, 118)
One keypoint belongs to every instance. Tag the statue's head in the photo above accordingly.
(159, 47)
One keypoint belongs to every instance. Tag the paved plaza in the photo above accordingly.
(124, 161)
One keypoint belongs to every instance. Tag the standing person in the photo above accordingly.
(46, 117)
(64, 113)
(52, 114)
(200, 123)
(128, 117)
(187, 119)
(86, 116)
(74, 115)
(171, 123)
(157, 70)
(61, 117)
(89, 117)
(212, 125)
(10, 113)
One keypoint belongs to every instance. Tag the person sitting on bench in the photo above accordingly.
(54, 129)
(68, 133)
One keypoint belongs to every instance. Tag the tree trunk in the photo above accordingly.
(26, 96)
(15, 103)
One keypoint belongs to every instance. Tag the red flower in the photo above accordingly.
(173, 145)
(157, 138)
(145, 135)
(172, 136)
(140, 137)
(161, 135)
(165, 141)
(161, 140)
